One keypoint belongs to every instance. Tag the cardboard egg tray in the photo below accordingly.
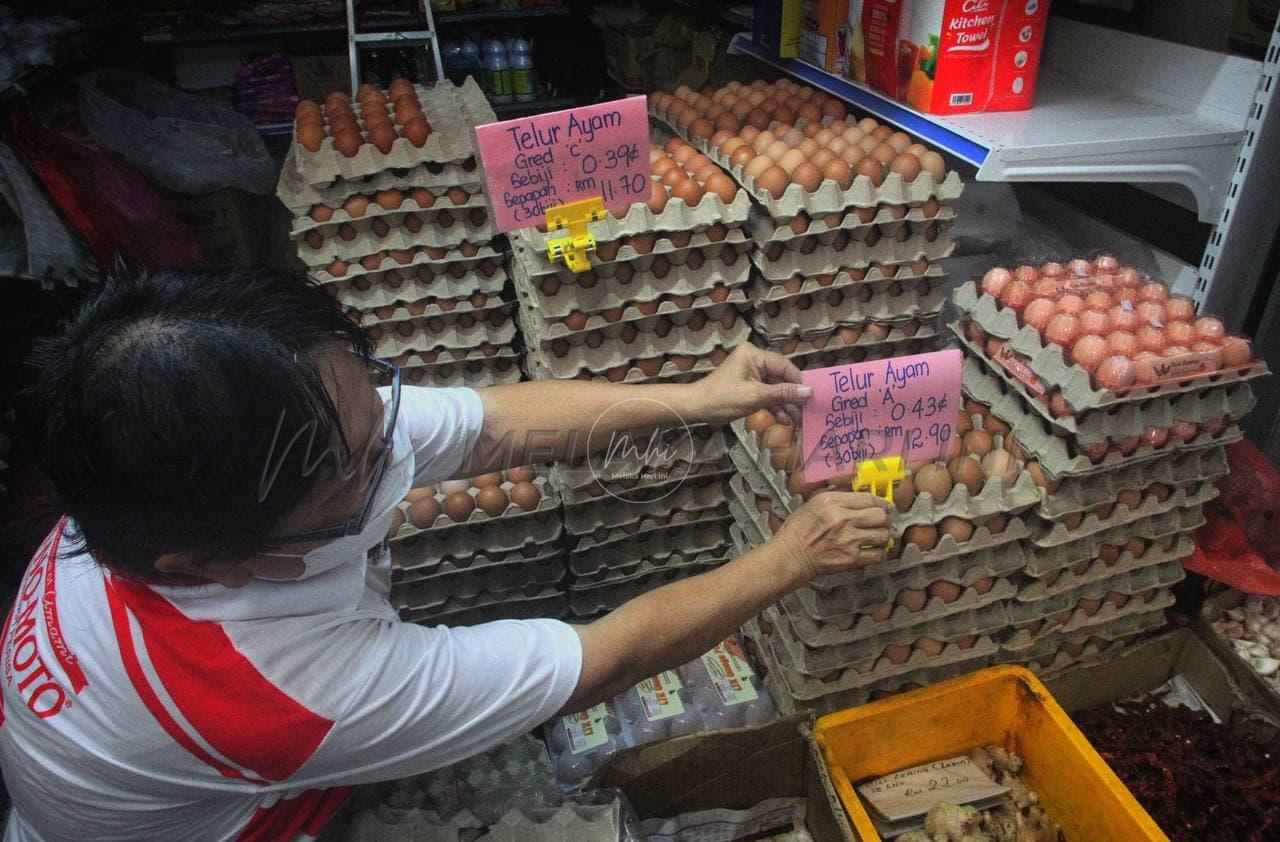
(628, 477)
(810, 257)
(1109, 622)
(647, 567)
(1047, 533)
(862, 353)
(418, 564)
(768, 288)
(829, 198)
(676, 216)
(1147, 588)
(450, 335)
(686, 532)
(1052, 659)
(764, 229)
(549, 500)
(866, 344)
(536, 263)
(448, 312)
(993, 499)
(1041, 365)
(803, 687)
(1054, 451)
(657, 486)
(685, 371)
(903, 557)
(495, 371)
(552, 327)
(1044, 561)
(454, 356)
(610, 354)
(822, 660)
(436, 258)
(820, 318)
(1097, 491)
(527, 603)
(397, 238)
(402, 290)
(1233, 400)
(302, 223)
(418, 547)
(452, 112)
(789, 705)
(437, 590)
(1033, 589)
(689, 494)
(300, 197)
(592, 601)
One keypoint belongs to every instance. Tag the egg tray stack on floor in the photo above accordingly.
(1121, 400)
(936, 608)
(487, 548)
(663, 301)
(849, 220)
(396, 226)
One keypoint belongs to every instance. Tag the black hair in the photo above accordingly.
(154, 410)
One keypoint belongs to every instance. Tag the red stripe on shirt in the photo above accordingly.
(237, 711)
(307, 813)
(66, 658)
(132, 666)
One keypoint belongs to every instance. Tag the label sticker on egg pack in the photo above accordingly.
(728, 669)
(586, 730)
(660, 696)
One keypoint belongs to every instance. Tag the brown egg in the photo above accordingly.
(492, 501)
(524, 473)
(723, 186)
(808, 176)
(382, 136)
(871, 168)
(1041, 478)
(356, 205)
(946, 591)
(930, 647)
(758, 165)
(998, 464)
(311, 136)
(996, 523)
(688, 192)
(904, 494)
(417, 130)
(933, 479)
(933, 163)
(742, 156)
(526, 495)
(967, 471)
(657, 197)
(880, 613)
(759, 421)
(977, 443)
(424, 512)
(958, 528)
(906, 165)
(459, 505)
(777, 436)
(773, 181)
(839, 172)
(790, 159)
(485, 480)
(895, 653)
(923, 535)
(912, 599)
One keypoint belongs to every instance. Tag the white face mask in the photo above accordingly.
(397, 480)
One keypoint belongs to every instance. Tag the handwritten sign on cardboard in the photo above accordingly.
(538, 162)
(902, 406)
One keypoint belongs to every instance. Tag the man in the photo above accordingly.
(203, 648)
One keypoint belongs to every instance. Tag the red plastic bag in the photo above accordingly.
(1238, 544)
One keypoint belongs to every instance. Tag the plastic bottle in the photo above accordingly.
(456, 66)
(497, 72)
(471, 56)
(524, 76)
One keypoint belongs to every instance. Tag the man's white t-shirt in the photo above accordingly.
(146, 712)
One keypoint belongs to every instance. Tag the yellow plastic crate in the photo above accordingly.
(1007, 706)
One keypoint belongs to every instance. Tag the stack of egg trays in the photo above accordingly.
(485, 568)
(668, 304)
(406, 245)
(1109, 536)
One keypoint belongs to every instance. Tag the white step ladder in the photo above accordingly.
(356, 41)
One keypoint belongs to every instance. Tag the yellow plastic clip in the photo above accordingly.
(574, 216)
(878, 477)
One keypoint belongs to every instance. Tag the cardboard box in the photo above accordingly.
(1246, 706)
(776, 26)
(227, 223)
(733, 769)
(628, 53)
(824, 36)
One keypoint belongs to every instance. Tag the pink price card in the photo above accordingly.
(902, 406)
(538, 162)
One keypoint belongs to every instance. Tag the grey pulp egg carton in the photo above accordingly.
(566, 823)
(673, 526)
(896, 339)
(1078, 494)
(645, 568)
(820, 661)
(425, 310)
(1032, 589)
(811, 256)
(670, 372)
(476, 374)
(644, 287)
(1147, 589)
(549, 499)
(437, 590)
(769, 287)
(455, 356)
(407, 569)
(303, 223)
(430, 337)
(675, 246)
(413, 289)
(597, 599)
(1168, 526)
(396, 237)
(522, 604)
(591, 491)
(823, 318)
(639, 219)
(1125, 420)
(451, 110)
(1108, 624)
(430, 256)
(687, 494)
(1046, 366)
(1054, 451)
(421, 547)
(1051, 533)
(299, 197)
(764, 229)
(1016, 528)
(829, 197)
(707, 453)
(684, 532)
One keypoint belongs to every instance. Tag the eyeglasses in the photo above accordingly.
(381, 373)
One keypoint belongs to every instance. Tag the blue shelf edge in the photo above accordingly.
(909, 120)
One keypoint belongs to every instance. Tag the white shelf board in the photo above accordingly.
(1109, 106)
